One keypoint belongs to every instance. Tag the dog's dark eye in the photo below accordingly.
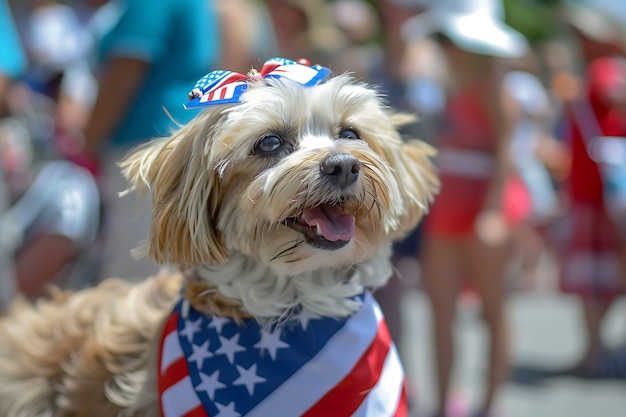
(268, 144)
(348, 134)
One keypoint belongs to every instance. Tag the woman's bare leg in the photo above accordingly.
(440, 275)
(594, 312)
(487, 267)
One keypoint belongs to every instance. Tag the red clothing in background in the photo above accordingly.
(466, 144)
(590, 257)
(585, 182)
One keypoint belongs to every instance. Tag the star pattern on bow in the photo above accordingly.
(227, 87)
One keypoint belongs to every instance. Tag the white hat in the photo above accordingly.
(600, 20)
(473, 25)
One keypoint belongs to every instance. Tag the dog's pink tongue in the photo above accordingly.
(335, 224)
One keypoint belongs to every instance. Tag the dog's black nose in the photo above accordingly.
(341, 168)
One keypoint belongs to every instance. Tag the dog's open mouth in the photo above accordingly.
(325, 226)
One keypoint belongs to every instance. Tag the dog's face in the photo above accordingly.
(297, 178)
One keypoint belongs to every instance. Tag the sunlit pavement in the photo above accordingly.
(546, 335)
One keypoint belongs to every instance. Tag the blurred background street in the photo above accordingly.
(546, 337)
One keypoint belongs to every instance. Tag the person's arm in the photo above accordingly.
(5, 83)
(119, 83)
(507, 118)
(127, 51)
(491, 225)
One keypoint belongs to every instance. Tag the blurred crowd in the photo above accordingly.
(525, 101)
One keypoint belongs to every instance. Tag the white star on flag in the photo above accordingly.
(229, 347)
(191, 328)
(210, 383)
(305, 316)
(271, 342)
(217, 323)
(248, 377)
(200, 353)
(226, 410)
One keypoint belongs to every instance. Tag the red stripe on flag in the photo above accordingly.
(269, 67)
(174, 373)
(171, 325)
(223, 93)
(199, 411)
(229, 80)
(346, 397)
(235, 77)
(403, 409)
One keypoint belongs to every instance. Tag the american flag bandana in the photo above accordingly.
(309, 366)
(226, 87)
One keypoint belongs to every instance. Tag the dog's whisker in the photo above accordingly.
(289, 242)
(287, 251)
(373, 192)
(373, 203)
(364, 244)
(290, 261)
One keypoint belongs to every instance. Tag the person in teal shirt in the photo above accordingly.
(12, 57)
(173, 43)
(149, 56)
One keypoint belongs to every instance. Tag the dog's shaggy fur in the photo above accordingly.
(229, 194)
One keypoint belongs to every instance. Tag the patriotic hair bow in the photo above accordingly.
(227, 87)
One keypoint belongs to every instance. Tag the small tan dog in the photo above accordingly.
(279, 207)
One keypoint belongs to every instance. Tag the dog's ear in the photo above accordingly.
(415, 173)
(177, 172)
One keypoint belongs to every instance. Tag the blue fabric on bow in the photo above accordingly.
(226, 87)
